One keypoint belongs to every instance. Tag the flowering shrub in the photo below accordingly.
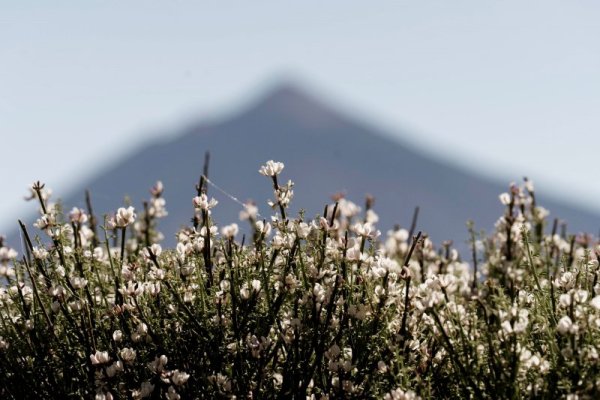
(299, 308)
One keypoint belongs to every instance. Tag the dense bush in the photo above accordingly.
(317, 308)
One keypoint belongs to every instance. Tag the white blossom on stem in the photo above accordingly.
(124, 217)
(202, 202)
(271, 168)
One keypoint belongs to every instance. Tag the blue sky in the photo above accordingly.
(510, 88)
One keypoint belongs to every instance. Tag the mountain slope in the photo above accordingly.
(324, 153)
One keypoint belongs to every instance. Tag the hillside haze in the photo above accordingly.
(325, 152)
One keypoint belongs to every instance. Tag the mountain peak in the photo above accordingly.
(287, 91)
(290, 99)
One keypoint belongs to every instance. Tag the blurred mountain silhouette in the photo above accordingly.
(325, 152)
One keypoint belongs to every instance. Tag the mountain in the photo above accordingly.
(324, 152)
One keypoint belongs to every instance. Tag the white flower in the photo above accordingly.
(158, 365)
(117, 336)
(564, 300)
(157, 189)
(142, 329)
(40, 253)
(365, 230)
(179, 377)
(263, 228)
(100, 357)
(229, 231)
(155, 249)
(124, 217)
(114, 368)
(6, 271)
(78, 282)
(565, 281)
(565, 325)
(595, 302)
(529, 185)
(353, 254)
(580, 296)
(318, 293)
(103, 396)
(504, 198)
(302, 230)
(277, 379)
(127, 354)
(271, 168)
(250, 211)
(225, 285)
(187, 270)
(132, 289)
(399, 394)
(541, 212)
(212, 231)
(283, 195)
(46, 221)
(7, 254)
(381, 367)
(371, 217)
(203, 203)
(157, 207)
(78, 216)
(244, 292)
(347, 208)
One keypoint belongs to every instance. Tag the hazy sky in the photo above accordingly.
(511, 88)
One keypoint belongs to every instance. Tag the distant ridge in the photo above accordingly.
(325, 152)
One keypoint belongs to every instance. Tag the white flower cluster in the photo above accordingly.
(315, 308)
(271, 168)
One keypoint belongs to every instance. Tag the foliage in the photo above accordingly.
(321, 308)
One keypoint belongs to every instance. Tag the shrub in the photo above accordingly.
(299, 308)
